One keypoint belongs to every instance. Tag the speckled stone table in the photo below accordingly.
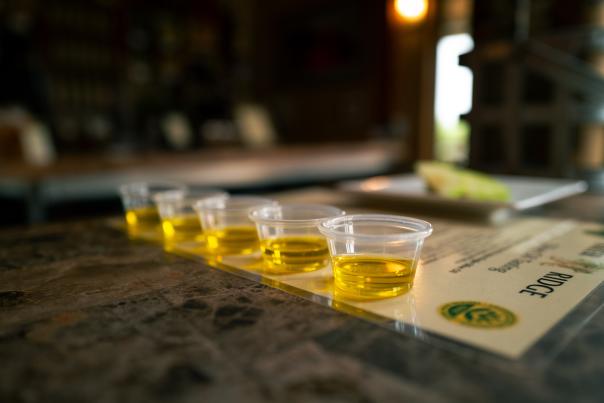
(88, 316)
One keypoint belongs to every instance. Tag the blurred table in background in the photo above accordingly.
(90, 177)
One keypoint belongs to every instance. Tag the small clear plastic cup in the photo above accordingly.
(226, 225)
(374, 255)
(290, 240)
(140, 210)
(179, 220)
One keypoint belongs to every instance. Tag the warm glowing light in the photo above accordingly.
(375, 184)
(411, 10)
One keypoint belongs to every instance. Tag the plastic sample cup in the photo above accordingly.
(226, 225)
(374, 255)
(179, 220)
(290, 240)
(137, 199)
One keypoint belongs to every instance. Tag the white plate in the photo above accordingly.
(526, 192)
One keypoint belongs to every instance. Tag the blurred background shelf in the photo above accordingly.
(74, 182)
(102, 91)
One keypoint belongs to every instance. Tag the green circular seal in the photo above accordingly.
(478, 314)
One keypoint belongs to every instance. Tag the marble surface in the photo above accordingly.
(88, 316)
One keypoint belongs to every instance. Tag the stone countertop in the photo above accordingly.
(88, 316)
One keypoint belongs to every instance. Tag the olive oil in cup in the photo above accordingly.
(374, 255)
(179, 220)
(228, 229)
(140, 211)
(290, 240)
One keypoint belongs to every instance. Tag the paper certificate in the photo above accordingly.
(497, 288)
(503, 288)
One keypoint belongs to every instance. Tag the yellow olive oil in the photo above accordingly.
(236, 240)
(294, 253)
(372, 277)
(183, 228)
(143, 219)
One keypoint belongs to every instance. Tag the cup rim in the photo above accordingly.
(255, 214)
(248, 202)
(419, 229)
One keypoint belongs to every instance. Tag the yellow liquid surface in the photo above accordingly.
(241, 240)
(369, 277)
(143, 219)
(183, 228)
(294, 254)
